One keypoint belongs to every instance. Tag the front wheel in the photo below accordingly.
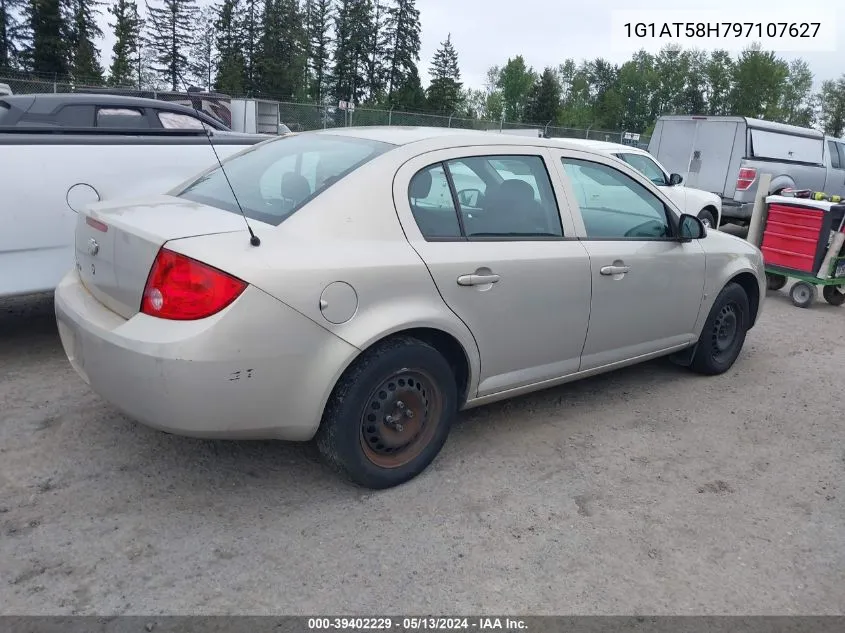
(708, 219)
(834, 295)
(390, 413)
(724, 332)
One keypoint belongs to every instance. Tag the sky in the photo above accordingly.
(547, 32)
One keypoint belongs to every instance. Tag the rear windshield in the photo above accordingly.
(275, 179)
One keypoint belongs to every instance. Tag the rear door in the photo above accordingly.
(647, 286)
(836, 180)
(503, 255)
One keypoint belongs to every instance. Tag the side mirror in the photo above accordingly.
(675, 179)
(691, 228)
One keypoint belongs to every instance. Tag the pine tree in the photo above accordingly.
(444, 92)
(378, 46)
(231, 63)
(85, 30)
(127, 32)
(545, 99)
(10, 33)
(403, 34)
(48, 52)
(351, 51)
(280, 59)
(252, 26)
(204, 48)
(318, 23)
(170, 35)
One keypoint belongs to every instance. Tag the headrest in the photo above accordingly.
(516, 190)
(295, 187)
(421, 185)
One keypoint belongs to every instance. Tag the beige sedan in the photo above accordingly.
(395, 277)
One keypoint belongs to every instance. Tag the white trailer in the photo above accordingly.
(256, 116)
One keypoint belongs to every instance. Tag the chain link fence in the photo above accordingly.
(300, 117)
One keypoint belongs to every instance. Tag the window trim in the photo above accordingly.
(456, 206)
(672, 221)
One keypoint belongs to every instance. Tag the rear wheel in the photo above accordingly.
(802, 294)
(724, 332)
(389, 414)
(834, 295)
(708, 219)
(774, 281)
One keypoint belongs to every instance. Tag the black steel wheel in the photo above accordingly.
(802, 294)
(834, 295)
(389, 414)
(775, 281)
(723, 335)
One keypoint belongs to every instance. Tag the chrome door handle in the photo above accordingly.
(615, 270)
(477, 280)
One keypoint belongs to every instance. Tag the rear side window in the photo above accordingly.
(485, 197)
(121, 118)
(177, 121)
(274, 179)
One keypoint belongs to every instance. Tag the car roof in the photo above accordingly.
(447, 137)
(47, 102)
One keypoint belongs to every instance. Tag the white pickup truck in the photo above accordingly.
(59, 153)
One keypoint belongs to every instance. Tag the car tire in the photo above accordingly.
(834, 295)
(389, 414)
(707, 217)
(724, 331)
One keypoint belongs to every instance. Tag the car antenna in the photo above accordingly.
(253, 238)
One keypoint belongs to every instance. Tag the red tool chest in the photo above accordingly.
(796, 235)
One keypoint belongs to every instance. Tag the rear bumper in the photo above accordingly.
(257, 370)
(736, 210)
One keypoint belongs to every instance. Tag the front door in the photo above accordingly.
(647, 285)
(487, 225)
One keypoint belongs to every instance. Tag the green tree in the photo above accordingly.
(577, 108)
(796, 106)
(85, 62)
(719, 73)
(515, 81)
(10, 33)
(409, 95)
(280, 57)
(252, 24)
(444, 91)
(637, 83)
(170, 34)
(48, 49)
(318, 24)
(204, 49)
(545, 102)
(402, 31)
(352, 31)
(127, 32)
(231, 62)
(832, 107)
(758, 84)
(378, 45)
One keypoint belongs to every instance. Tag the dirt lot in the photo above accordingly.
(649, 490)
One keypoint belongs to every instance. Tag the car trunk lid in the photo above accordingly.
(117, 243)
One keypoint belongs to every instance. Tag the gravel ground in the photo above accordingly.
(649, 490)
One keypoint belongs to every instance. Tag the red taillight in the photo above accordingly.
(746, 178)
(182, 289)
(96, 224)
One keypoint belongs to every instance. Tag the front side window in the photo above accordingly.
(614, 205)
(835, 157)
(647, 167)
(272, 180)
(491, 197)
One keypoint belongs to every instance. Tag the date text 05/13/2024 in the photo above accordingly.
(427, 623)
(748, 30)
